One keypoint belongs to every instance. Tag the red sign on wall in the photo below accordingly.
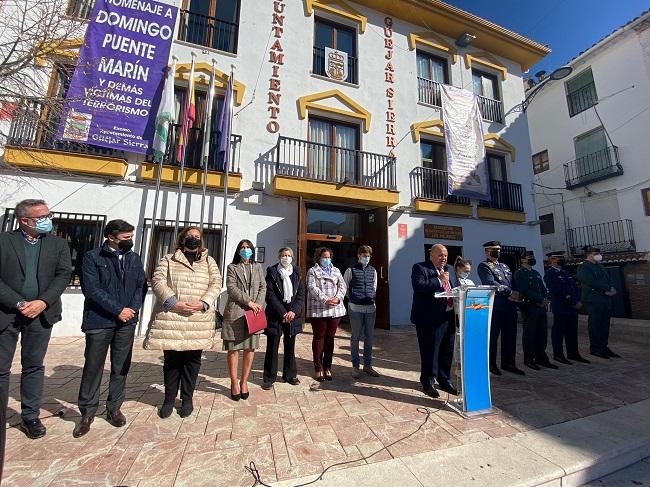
(402, 231)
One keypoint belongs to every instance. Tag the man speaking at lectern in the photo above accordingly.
(432, 317)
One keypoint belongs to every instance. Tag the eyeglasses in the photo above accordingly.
(40, 218)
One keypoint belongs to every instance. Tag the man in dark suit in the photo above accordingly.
(35, 269)
(432, 317)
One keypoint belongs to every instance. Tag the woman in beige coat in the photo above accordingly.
(186, 285)
(246, 290)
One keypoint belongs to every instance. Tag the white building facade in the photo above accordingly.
(589, 138)
(316, 160)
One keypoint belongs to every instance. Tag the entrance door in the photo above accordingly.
(374, 232)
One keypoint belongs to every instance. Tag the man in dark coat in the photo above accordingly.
(114, 284)
(565, 303)
(432, 316)
(35, 269)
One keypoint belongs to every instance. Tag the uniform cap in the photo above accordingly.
(492, 244)
(526, 253)
(590, 249)
(556, 254)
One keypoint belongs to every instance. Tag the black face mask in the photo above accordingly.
(192, 243)
(495, 253)
(532, 261)
(125, 245)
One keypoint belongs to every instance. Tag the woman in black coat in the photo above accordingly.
(285, 295)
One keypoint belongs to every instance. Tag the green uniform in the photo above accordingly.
(595, 282)
(532, 294)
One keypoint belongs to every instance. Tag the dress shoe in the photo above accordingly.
(448, 387)
(166, 410)
(609, 352)
(294, 382)
(244, 395)
(531, 365)
(580, 359)
(430, 391)
(562, 360)
(116, 418)
(267, 385)
(513, 369)
(600, 354)
(328, 374)
(186, 409)
(33, 428)
(319, 376)
(83, 427)
(548, 365)
(356, 372)
(495, 370)
(370, 371)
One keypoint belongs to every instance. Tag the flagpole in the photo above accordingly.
(188, 103)
(206, 138)
(224, 214)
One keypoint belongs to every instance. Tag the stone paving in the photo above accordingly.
(291, 431)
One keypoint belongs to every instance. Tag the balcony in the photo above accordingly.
(609, 237)
(491, 110)
(429, 92)
(597, 166)
(80, 9)
(582, 99)
(318, 66)
(430, 191)
(333, 173)
(208, 31)
(506, 203)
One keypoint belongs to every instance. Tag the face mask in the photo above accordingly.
(286, 261)
(364, 260)
(325, 262)
(495, 253)
(191, 243)
(246, 254)
(598, 257)
(43, 225)
(532, 261)
(125, 245)
(464, 275)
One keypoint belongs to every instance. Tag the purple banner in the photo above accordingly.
(118, 81)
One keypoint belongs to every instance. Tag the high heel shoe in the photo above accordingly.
(319, 376)
(233, 396)
(244, 395)
(328, 374)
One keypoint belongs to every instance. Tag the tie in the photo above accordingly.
(447, 286)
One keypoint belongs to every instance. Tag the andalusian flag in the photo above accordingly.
(188, 115)
(166, 115)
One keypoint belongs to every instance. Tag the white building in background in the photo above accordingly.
(317, 161)
(590, 140)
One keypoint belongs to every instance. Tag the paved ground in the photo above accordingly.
(637, 474)
(291, 432)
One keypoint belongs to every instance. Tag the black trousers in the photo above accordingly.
(600, 313)
(120, 342)
(429, 339)
(535, 336)
(446, 353)
(565, 329)
(181, 368)
(289, 366)
(504, 323)
(34, 339)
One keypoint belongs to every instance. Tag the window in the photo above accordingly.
(333, 151)
(434, 171)
(540, 162)
(334, 36)
(645, 194)
(163, 240)
(82, 231)
(486, 86)
(548, 224)
(80, 9)
(581, 92)
(592, 155)
(210, 23)
(497, 167)
(434, 155)
(432, 71)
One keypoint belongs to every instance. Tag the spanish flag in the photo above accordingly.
(187, 117)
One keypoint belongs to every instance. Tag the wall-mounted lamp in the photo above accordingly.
(558, 74)
(465, 39)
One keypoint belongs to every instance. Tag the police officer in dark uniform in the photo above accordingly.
(534, 301)
(565, 303)
(504, 312)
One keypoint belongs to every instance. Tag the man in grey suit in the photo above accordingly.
(35, 269)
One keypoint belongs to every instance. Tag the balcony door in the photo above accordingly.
(434, 175)
(592, 156)
(432, 71)
(333, 151)
(498, 180)
(210, 23)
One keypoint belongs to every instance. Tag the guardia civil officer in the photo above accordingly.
(565, 303)
(504, 312)
(534, 301)
(597, 292)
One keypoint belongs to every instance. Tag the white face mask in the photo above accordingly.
(464, 275)
(364, 260)
(286, 260)
(598, 257)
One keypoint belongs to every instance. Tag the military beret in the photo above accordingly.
(492, 244)
(559, 253)
(590, 249)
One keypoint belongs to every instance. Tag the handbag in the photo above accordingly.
(255, 322)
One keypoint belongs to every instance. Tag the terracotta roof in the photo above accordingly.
(617, 257)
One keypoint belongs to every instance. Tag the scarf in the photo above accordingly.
(287, 285)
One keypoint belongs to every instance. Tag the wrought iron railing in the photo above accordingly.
(432, 184)
(429, 92)
(208, 31)
(616, 236)
(504, 196)
(321, 162)
(80, 9)
(35, 125)
(318, 66)
(491, 109)
(581, 99)
(593, 167)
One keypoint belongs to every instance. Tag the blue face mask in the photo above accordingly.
(464, 275)
(364, 260)
(245, 254)
(44, 225)
(325, 262)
